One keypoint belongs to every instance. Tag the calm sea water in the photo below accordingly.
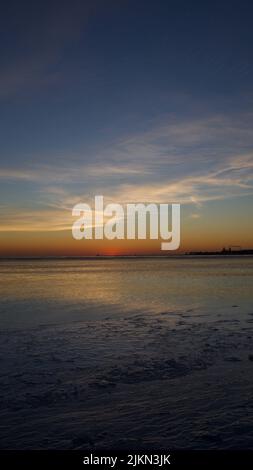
(35, 292)
(126, 353)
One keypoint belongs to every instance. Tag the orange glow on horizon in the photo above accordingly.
(61, 243)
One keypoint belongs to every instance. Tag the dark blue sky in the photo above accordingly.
(124, 98)
(84, 71)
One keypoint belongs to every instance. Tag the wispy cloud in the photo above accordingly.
(54, 211)
(64, 174)
(189, 163)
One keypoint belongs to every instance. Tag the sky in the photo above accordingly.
(140, 101)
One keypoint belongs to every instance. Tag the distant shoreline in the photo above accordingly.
(191, 254)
